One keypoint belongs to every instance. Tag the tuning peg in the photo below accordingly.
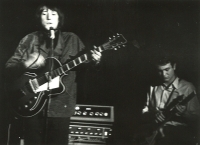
(117, 33)
(123, 45)
(113, 35)
(109, 38)
(119, 47)
(115, 48)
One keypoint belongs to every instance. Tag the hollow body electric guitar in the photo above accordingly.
(30, 91)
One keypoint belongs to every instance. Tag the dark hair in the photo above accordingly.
(52, 7)
(163, 58)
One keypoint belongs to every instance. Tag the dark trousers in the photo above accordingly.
(176, 135)
(39, 131)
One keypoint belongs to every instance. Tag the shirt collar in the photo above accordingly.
(174, 84)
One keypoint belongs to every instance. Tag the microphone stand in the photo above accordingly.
(50, 69)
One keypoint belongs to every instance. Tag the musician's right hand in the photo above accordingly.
(159, 117)
(34, 61)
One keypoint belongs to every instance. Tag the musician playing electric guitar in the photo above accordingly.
(179, 129)
(29, 58)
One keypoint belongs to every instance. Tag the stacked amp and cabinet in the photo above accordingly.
(91, 125)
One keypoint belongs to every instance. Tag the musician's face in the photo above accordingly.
(167, 72)
(49, 18)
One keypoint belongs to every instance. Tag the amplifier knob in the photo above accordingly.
(101, 114)
(97, 113)
(91, 113)
(91, 133)
(84, 113)
(78, 113)
(86, 132)
(105, 114)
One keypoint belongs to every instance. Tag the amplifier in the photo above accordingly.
(93, 113)
(89, 133)
(91, 125)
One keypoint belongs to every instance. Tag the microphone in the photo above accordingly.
(52, 33)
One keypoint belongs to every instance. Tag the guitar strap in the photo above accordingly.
(170, 96)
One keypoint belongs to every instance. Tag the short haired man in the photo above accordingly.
(178, 130)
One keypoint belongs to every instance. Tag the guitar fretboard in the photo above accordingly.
(72, 64)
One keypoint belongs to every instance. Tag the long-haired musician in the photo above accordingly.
(39, 51)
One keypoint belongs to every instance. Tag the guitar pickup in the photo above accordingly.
(34, 85)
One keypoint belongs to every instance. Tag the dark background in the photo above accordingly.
(121, 82)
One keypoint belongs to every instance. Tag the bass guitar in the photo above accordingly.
(30, 92)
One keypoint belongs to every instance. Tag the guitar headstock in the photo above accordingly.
(115, 42)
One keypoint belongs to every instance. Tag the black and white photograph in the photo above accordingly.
(99, 72)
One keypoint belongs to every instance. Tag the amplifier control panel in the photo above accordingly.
(93, 113)
(83, 132)
(86, 139)
(90, 130)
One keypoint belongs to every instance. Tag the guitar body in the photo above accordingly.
(26, 101)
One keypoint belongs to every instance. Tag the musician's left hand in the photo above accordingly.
(180, 109)
(96, 56)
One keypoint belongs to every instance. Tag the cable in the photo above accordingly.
(35, 61)
(8, 139)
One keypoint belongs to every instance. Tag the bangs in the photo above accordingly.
(41, 9)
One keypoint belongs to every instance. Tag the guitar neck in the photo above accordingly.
(172, 111)
(75, 62)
